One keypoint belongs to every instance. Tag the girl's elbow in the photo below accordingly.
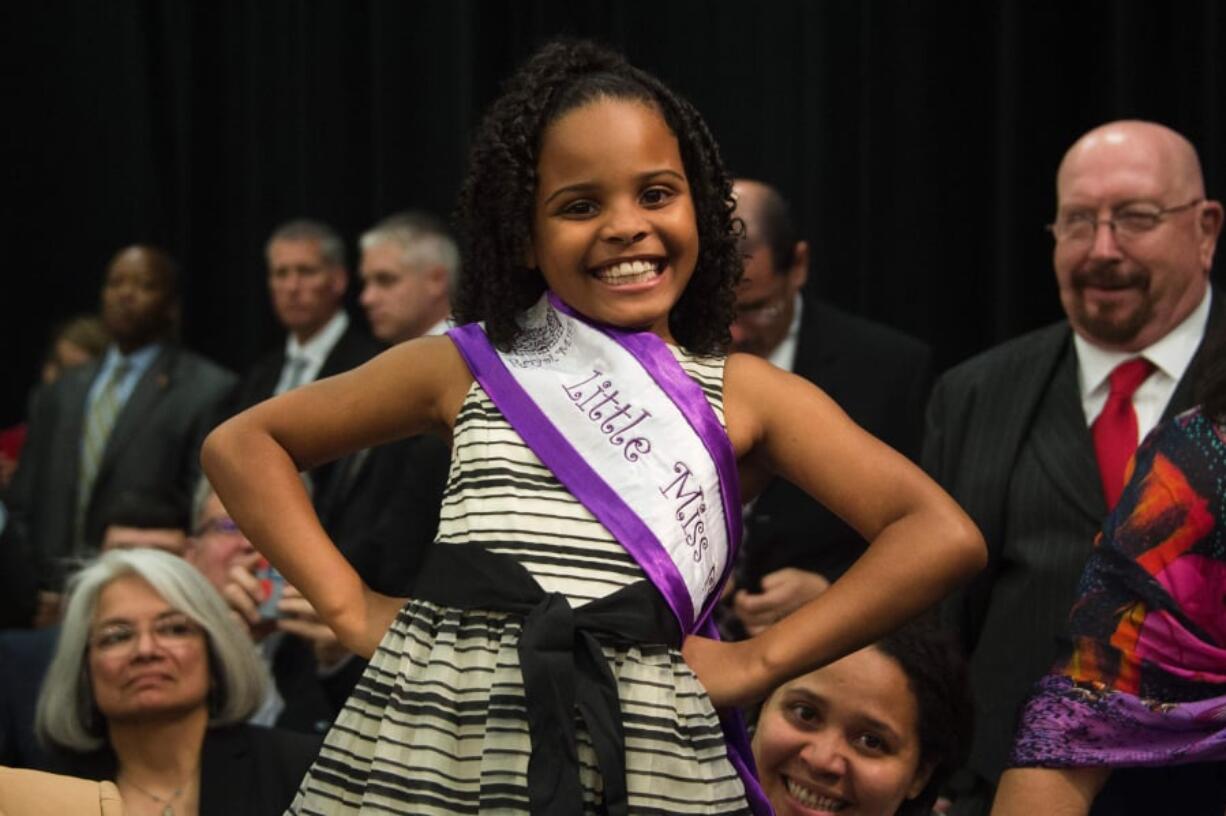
(215, 448)
(971, 547)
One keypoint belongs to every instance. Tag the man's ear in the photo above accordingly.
(437, 279)
(1211, 228)
(340, 280)
(798, 273)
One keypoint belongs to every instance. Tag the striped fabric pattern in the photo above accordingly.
(437, 724)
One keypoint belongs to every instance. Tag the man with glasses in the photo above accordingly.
(1033, 437)
(794, 547)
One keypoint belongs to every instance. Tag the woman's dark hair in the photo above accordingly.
(496, 201)
(937, 676)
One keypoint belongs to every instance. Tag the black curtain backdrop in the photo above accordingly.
(917, 141)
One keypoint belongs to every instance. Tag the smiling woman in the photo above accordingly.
(149, 687)
(876, 733)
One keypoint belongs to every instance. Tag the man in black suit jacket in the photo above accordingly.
(382, 509)
(794, 547)
(307, 278)
(1009, 431)
(163, 401)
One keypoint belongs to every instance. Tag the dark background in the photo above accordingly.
(917, 141)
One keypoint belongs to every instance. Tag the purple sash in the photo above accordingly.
(605, 501)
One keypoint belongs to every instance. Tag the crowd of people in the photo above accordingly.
(411, 577)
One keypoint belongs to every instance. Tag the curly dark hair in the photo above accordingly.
(497, 199)
(937, 676)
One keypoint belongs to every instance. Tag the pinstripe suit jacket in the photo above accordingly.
(1008, 415)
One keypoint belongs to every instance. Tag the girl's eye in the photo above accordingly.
(656, 196)
(579, 208)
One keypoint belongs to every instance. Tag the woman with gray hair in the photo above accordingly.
(150, 686)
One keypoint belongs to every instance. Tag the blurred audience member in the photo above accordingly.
(150, 686)
(410, 265)
(155, 520)
(307, 278)
(382, 508)
(1145, 684)
(132, 421)
(73, 343)
(876, 733)
(135, 520)
(313, 674)
(1032, 437)
(793, 546)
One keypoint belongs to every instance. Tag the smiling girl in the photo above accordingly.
(552, 660)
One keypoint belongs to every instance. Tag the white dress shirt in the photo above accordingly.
(1170, 357)
(313, 352)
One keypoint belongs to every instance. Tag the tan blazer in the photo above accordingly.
(34, 793)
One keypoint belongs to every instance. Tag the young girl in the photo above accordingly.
(593, 503)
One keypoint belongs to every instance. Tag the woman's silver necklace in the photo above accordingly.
(167, 802)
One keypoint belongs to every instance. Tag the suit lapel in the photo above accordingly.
(76, 393)
(146, 394)
(1062, 444)
(1185, 391)
(267, 377)
(338, 358)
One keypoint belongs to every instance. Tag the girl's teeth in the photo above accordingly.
(628, 272)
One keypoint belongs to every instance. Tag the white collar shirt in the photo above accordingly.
(1170, 357)
(784, 355)
(313, 352)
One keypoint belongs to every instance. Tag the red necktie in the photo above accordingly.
(1115, 430)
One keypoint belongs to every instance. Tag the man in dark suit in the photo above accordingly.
(307, 278)
(382, 508)
(794, 547)
(1031, 437)
(132, 421)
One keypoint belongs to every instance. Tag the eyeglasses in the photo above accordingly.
(222, 525)
(169, 631)
(1129, 222)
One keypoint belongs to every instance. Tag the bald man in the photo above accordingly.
(129, 422)
(1032, 437)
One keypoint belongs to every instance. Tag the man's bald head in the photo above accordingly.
(1129, 279)
(1156, 147)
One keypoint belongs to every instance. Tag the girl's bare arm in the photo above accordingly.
(253, 461)
(921, 542)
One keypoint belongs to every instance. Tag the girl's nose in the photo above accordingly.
(624, 225)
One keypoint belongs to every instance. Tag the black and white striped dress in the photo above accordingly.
(437, 724)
